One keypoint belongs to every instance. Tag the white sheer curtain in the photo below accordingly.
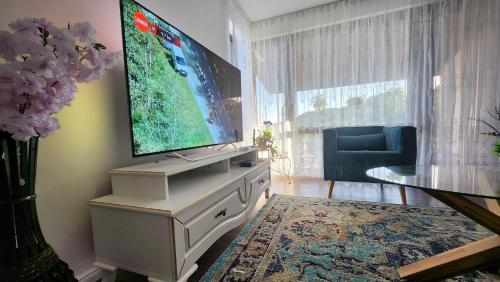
(431, 64)
(241, 57)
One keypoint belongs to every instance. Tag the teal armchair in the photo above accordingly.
(349, 151)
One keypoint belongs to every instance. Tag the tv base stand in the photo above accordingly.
(232, 144)
(163, 216)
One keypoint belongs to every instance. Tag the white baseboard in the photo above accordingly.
(91, 275)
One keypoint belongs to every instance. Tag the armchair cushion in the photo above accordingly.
(369, 142)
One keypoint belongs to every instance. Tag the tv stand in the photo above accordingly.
(161, 217)
(232, 144)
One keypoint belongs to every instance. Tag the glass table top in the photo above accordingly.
(480, 181)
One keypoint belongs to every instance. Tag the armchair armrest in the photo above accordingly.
(409, 145)
(404, 140)
(329, 152)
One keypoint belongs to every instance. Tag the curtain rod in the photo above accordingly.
(345, 20)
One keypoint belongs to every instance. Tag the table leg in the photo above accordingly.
(402, 193)
(480, 254)
(493, 205)
(473, 256)
(487, 217)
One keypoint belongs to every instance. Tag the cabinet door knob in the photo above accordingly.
(261, 181)
(221, 213)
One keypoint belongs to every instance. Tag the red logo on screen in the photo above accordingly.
(154, 29)
(141, 22)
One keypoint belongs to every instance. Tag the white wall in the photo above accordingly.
(94, 134)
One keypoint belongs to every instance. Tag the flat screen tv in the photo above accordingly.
(181, 95)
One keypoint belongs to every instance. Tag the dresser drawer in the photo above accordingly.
(193, 210)
(228, 207)
(256, 186)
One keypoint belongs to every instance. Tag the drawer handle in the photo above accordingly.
(261, 181)
(221, 213)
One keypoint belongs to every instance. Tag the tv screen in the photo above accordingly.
(181, 95)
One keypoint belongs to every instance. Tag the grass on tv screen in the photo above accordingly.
(181, 94)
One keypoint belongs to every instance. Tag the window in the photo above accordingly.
(364, 104)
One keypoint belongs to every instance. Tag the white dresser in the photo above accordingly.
(163, 216)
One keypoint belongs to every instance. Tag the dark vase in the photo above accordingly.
(24, 253)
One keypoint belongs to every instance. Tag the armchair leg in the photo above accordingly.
(330, 189)
(402, 192)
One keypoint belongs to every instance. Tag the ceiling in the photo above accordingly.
(263, 9)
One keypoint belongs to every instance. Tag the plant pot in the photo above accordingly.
(24, 253)
(262, 147)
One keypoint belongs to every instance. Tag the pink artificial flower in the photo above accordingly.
(93, 56)
(110, 59)
(37, 78)
(43, 22)
(17, 124)
(88, 74)
(9, 77)
(61, 38)
(83, 31)
(70, 58)
(27, 28)
(45, 125)
(10, 47)
(34, 48)
(45, 66)
(32, 84)
(11, 99)
(45, 103)
(58, 93)
(65, 90)
(25, 25)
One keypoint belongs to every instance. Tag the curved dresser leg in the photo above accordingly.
(184, 278)
(109, 271)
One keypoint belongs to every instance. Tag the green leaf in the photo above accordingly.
(45, 35)
(99, 46)
(495, 150)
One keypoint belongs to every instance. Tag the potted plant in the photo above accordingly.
(40, 65)
(494, 131)
(265, 141)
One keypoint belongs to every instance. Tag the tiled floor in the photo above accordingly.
(307, 187)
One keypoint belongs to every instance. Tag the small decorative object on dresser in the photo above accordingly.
(41, 65)
(168, 214)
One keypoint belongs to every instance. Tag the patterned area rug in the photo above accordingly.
(308, 239)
